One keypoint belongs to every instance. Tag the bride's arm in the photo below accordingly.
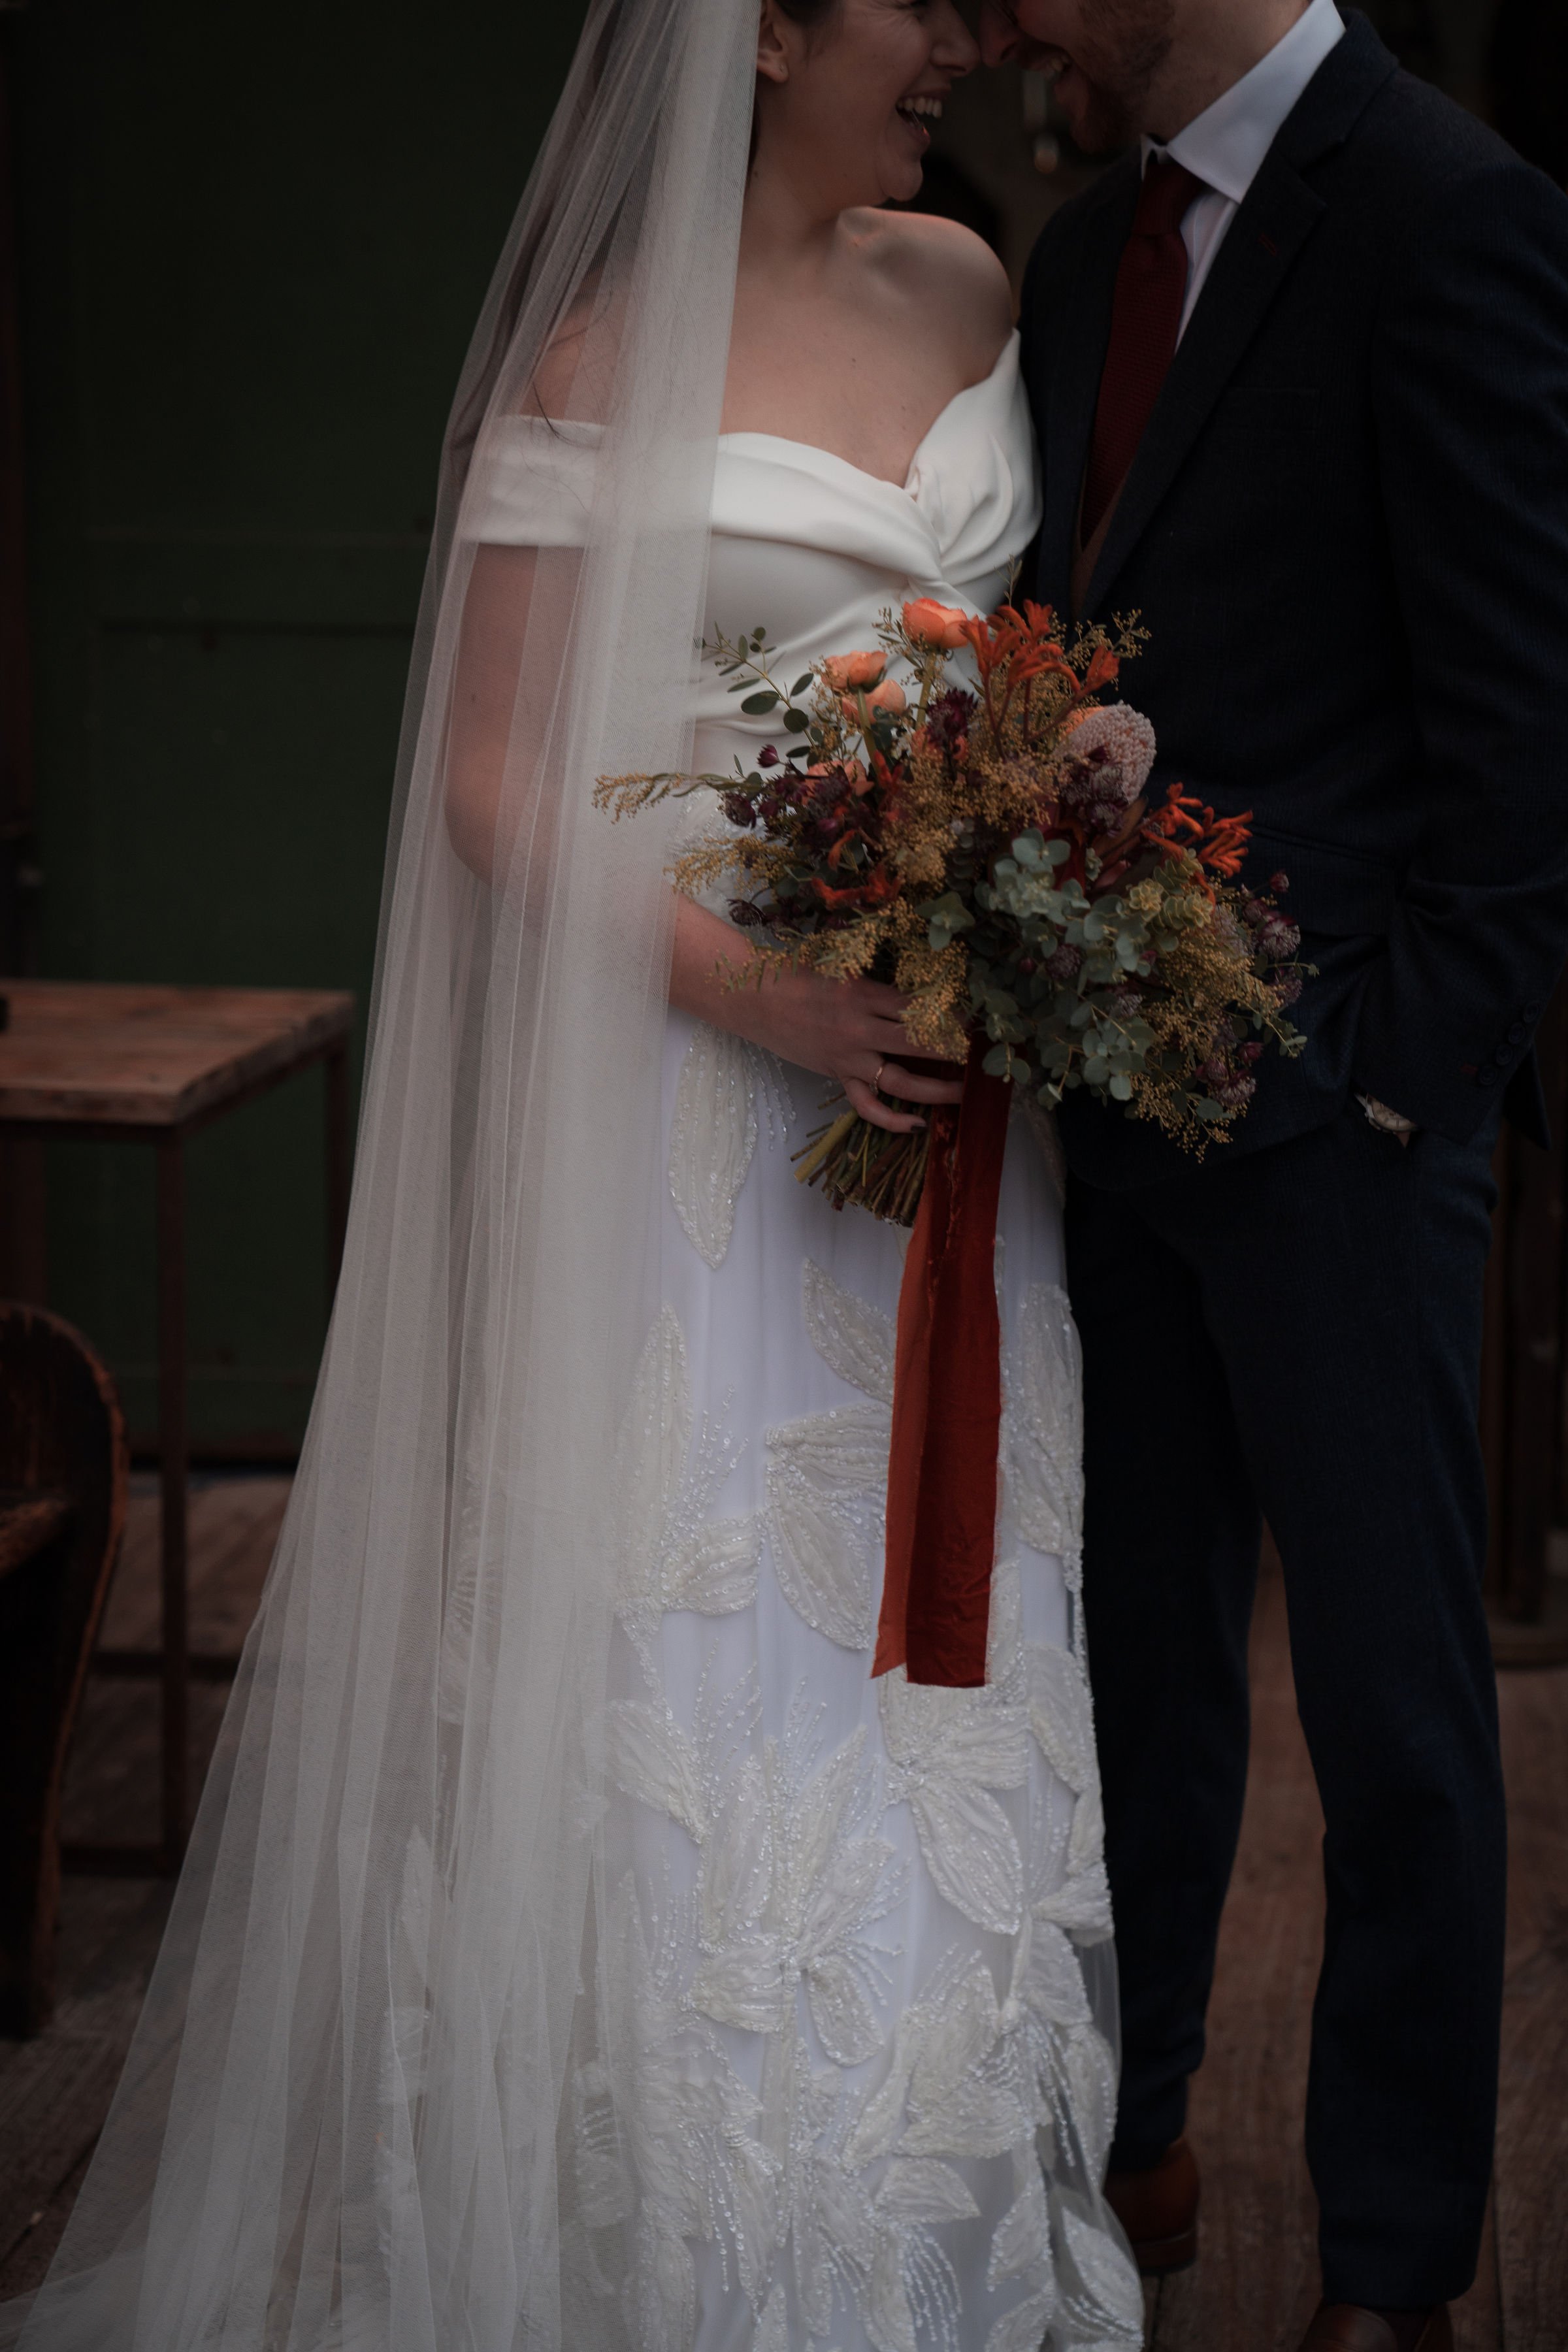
(485, 686)
(849, 1030)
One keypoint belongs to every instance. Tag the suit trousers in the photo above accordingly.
(1294, 1334)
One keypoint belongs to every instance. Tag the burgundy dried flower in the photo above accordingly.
(1124, 1001)
(1096, 791)
(740, 808)
(1064, 962)
(1277, 937)
(768, 756)
(1279, 884)
(948, 717)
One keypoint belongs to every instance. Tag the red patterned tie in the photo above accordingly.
(1150, 287)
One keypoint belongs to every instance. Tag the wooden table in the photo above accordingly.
(106, 1063)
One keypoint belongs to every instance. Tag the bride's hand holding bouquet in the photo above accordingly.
(850, 1032)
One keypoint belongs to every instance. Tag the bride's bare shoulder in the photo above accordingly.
(941, 263)
(573, 374)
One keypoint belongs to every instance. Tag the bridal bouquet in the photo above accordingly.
(988, 848)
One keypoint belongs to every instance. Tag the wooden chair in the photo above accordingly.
(63, 1471)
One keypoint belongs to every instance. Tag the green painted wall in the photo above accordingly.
(253, 242)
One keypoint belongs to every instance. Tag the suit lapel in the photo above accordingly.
(1277, 215)
(1080, 335)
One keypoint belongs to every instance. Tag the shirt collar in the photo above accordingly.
(1226, 142)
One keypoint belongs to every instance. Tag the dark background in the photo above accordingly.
(247, 248)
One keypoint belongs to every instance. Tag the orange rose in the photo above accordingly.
(846, 672)
(889, 697)
(931, 623)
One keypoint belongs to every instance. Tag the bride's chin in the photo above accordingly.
(902, 181)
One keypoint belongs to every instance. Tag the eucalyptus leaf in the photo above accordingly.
(756, 705)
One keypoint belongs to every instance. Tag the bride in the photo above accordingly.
(579, 1947)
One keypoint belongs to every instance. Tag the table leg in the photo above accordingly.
(335, 1064)
(173, 1441)
(24, 1257)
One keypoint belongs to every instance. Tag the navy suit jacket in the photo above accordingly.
(1346, 530)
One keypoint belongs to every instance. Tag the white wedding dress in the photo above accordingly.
(858, 1928)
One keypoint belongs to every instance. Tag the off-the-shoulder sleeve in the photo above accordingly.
(531, 483)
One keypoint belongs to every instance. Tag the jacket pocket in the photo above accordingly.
(1340, 892)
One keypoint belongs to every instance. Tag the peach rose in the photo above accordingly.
(889, 697)
(931, 623)
(847, 672)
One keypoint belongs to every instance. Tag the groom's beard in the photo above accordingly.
(1105, 81)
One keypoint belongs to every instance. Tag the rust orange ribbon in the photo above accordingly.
(947, 1401)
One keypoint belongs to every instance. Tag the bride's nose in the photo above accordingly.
(956, 50)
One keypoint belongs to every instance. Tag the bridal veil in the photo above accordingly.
(339, 2124)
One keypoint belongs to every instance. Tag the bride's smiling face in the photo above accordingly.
(849, 92)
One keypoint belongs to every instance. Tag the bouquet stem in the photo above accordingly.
(865, 1167)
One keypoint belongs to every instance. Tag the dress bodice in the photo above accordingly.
(804, 544)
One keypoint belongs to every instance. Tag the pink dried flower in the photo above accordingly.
(1124, 738)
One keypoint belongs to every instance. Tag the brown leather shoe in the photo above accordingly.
(1158, 2207)
(1347, 2328)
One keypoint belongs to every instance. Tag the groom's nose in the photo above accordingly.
(999, 38)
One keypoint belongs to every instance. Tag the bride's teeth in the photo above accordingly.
(932, 106)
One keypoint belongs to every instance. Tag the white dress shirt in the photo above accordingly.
(1226, 142)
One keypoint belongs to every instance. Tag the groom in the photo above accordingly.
(1298, 364)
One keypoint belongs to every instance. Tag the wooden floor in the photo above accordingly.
(1256, 2285)
(55, 2090)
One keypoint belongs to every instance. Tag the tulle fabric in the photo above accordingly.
(340, 2122)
